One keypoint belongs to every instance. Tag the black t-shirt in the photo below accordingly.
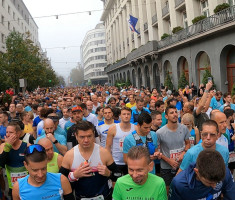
(71, 134)
(31, 138)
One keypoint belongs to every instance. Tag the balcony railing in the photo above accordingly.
(145, 26)
(154, 19)
(132, 37)
(178, 2)
(165, 10)
(200, 27)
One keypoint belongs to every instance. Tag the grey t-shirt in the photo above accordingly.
(172, 143)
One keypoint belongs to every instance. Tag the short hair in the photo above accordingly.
(15, 125)
(190, 106)
(159, 103)
(98, 109)
(84, 126)
(144, 118)
(171, 100)
(210, 165)
(34, 106)
(116, 112)
(108, 107)
(43, 112)
(5, 113)
(168, 108)
(218, 93)
(211, 122)
(139, 99)
(226, 94)
(36, 157)
(138, 152)
(189, 117)
(229, 113)
(154, 114)
(83, 106)
(111, 99)
(127, 109)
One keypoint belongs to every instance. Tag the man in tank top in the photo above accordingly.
(54, 160)
(41, 184)
(89, 166)
(116, 136)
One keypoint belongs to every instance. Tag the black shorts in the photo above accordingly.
(167, 175)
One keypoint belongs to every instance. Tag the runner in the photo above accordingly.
(139, 183)
(40, 183)
(115, 138)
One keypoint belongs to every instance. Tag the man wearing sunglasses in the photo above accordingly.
(40, 183)
(209, 135)
(12, 155)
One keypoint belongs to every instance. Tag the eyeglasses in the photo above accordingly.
(30, 149)
(211, 134)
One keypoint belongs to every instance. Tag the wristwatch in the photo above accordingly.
(55, 142)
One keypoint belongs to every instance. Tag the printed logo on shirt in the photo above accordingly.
(211, 196)
(129, 189)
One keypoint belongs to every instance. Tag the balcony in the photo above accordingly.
(165, 11)
(179, 4)
(145, 26)
(202, 27)
(154, 20)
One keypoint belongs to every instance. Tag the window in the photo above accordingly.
(2, 20)
(231, 2)
(3, 3)
(9, 10)
(205, 8)
(185, 20)
(3, 38)
(9, 26)
(14, 16)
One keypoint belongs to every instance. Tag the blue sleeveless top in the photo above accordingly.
(50, 190)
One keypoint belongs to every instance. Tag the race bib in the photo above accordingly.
(174, 154)
(100, 197)
(192, 141)
(231, 157)
(16, 176)
(121, 144)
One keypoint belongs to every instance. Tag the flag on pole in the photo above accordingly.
(132, 22)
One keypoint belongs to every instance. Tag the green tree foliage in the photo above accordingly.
(23, 60)
(207, 74)
(165, 35)
(199, 18)
(168, 81)
(77, 76)
(233, 90)
(177, 29)
(182, 81)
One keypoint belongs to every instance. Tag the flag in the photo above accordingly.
(132, 22)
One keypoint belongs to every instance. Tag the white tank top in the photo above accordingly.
(94, 159)
(117, 148)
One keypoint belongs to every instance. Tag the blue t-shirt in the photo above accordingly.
(130, 142)
(2, 131)
(36, 121)
(164, 120)
(50, 189)
(231, 105)
(61, 139)
(214, 104)
(58, 131)
(192, 154)
(67, 125)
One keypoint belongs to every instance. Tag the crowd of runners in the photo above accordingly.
(104, 143)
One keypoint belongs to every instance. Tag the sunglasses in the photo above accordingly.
(35, 147)
(211, 135)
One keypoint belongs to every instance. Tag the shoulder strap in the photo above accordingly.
(137, 138)
(149, 138)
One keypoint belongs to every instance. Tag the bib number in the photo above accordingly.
(121, 144)
(16, 176)
(100, 197)
(174, 154)
(231, 157)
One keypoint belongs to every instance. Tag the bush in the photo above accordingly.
(221, 7)
(168, 81)
(165, 35)
(177, 29)
(205, 77)
(182, 81)
(233, 90)
(197, 19)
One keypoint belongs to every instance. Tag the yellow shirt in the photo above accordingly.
(129, 105)
(28, 128)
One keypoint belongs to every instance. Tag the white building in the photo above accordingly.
(145, 58)
(93, 55)
(14, 16)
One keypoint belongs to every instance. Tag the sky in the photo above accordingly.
(67, 32)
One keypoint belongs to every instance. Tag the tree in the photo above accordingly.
(77, 76)
(182, 81)
(206, 75)
(23, 60)
(168, 81)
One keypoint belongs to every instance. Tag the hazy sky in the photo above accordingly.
(66, 31)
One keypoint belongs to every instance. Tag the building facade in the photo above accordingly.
(14, 16)
(93, 56)
(145, 58)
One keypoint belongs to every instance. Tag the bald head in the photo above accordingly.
(47, 144)
(49, 126)
(221, 120)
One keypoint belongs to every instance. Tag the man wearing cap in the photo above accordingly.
(59, 141)
(77, 115)
(40, 183)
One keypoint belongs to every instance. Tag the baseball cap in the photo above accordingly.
(77, 108)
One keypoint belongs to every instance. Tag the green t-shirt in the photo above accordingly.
(153, 189)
